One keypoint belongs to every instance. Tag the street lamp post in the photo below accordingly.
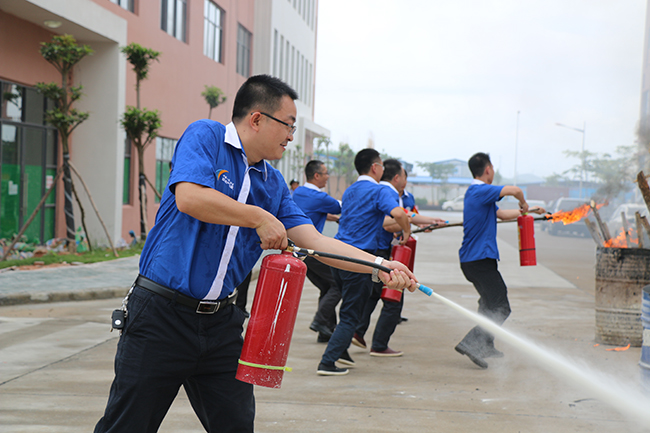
(582, 153)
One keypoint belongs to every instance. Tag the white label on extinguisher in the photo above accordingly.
(278, 305)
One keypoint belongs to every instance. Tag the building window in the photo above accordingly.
(212, 30)
(174, 17)
(125, 4)
(164, 152)
(28, 163)
(243, 51)
(126, 180)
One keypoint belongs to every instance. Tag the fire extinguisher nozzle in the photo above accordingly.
(424, 289)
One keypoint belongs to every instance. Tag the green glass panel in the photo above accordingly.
(10, 181)
(126, 184)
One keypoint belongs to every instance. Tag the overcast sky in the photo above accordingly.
(431, 80)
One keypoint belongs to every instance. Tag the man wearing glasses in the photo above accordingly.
(319, 206)
(223, 205)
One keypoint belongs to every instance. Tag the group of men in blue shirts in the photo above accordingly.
(223, 205)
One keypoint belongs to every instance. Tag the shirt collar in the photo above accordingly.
(477, 182)
(383, 182)
(311, 186)
(366, 177)
(232, 138)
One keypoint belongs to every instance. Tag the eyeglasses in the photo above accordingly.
(292, 128)
(325, 173)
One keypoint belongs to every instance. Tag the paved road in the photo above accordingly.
(56, 362)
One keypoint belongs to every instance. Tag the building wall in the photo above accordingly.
(173, 87)
(285, 47)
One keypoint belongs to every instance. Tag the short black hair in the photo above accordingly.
(260, 92)
(312, 168)
(477, 164)
(392, 167)
(364, 160)
(293, 181)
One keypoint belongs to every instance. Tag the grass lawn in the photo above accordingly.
(97, 255)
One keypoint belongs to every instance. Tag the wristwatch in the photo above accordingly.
(375, 271)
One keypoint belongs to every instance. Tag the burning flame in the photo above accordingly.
(573, 216)
(620, 241)
(618, 349)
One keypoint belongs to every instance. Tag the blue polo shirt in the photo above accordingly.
(365, 204)
(409, 201)
(385, 238)
(208, 261)
(316, 204)
(480, 222)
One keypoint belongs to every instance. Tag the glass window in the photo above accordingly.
(126, 181)
(126, 4)
(10, 181)
(34, 107)
(164, 152)
(212, 30)
(243, 51)
(173, 18)
(12, 102)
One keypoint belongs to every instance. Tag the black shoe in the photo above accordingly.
(491, 352)
(322, 338)
(320, 328)
(346, 359)
(403, 319)
(331, 370)
(475, 357)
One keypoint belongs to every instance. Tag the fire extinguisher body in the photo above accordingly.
(273, 316)
(526, 229)
(412, 243)
(402, 254)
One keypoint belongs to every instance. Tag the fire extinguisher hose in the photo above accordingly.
(298, 251)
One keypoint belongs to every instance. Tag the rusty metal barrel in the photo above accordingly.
(621, 274)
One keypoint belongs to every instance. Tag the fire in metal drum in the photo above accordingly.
(621, 274)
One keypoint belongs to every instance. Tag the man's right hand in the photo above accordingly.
(272, 233)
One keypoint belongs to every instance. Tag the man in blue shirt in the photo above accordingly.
(479, 253)
(319, 206)
(365, 203)
(223, 205)
(393, 180)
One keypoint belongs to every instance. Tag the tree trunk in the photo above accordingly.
(142, 193)
(643, 186)
(67, 204)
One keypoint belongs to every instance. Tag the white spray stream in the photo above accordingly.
(627, 401)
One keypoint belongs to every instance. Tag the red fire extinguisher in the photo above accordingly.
(411, 243)
(402, 254)
(525, 224)
(273, 316)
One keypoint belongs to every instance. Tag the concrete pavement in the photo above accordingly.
(56, 358)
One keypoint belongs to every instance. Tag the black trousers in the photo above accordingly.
(321, 276)
(388, 318)
(493, 302)
(165, 345)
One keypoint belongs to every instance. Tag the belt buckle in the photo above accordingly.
(208, 307)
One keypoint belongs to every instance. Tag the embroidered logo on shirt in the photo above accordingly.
(221, 175)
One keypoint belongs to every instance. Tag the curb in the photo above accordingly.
(78, 295)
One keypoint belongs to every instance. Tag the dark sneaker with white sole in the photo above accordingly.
(331, 370)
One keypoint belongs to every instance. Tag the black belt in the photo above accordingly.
(201, 306)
